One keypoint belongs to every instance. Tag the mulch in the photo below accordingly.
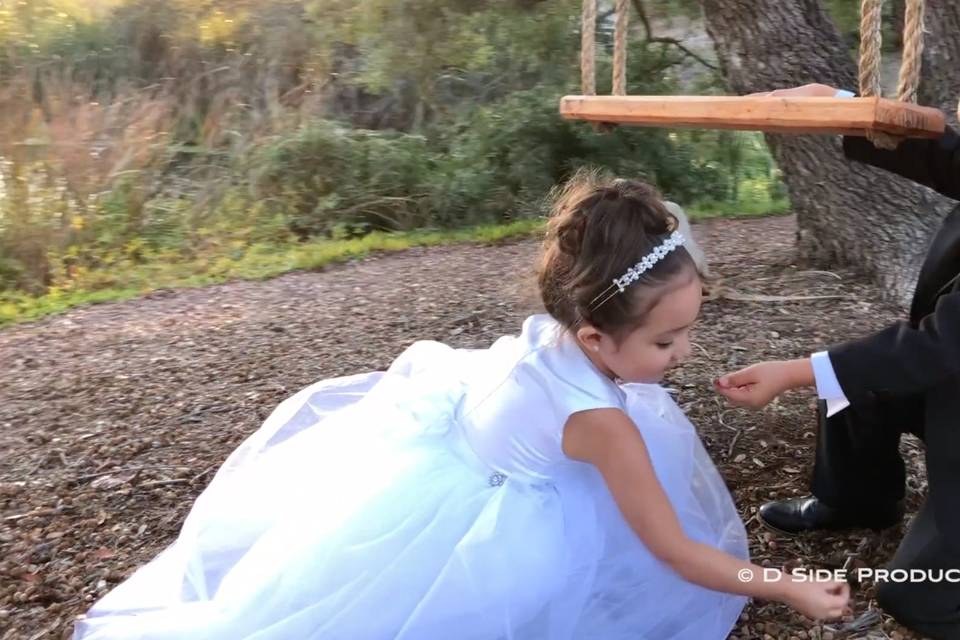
(114, 417)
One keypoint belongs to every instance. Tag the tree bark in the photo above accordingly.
(898, 9)
(941, 59)
(847, 214)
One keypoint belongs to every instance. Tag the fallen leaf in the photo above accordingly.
(103, 553)
(112, 481)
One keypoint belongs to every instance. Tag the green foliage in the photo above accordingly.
(252, 262)
(496, 162)
(846, 15)
(326, 174)
(181, 141)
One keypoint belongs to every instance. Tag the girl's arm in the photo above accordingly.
(609, 440)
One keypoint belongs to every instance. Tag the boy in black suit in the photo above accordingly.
(905, 378)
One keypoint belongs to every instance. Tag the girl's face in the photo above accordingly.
(647, 352)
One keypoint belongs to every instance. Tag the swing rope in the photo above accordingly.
(871, 39)
(620, 49)
(869, 77)
(588, 27)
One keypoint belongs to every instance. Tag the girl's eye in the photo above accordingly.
(664, 345)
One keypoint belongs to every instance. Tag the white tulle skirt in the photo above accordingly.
(356, 513)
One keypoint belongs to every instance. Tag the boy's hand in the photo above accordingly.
(757, 385)
(806, 91)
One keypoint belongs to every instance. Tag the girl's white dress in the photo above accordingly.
(433, 502)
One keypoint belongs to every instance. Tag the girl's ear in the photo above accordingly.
(589, 337)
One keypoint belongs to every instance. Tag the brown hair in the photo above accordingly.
(598, 228)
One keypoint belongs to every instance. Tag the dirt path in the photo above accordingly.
(114, 417)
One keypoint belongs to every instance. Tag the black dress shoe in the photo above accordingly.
(809, 514)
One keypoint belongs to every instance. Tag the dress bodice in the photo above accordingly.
(521, 394)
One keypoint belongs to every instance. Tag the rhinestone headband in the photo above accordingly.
(633, 274)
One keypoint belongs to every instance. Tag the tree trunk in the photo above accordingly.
(847, 214)
(898, 9)
(941, 59)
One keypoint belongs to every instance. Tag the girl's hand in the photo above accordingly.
(757, 385)
(806, 91)
(819, 600)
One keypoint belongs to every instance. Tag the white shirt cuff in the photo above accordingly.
(828, 387)
(843, 93)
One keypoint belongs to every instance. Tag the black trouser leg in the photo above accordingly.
(930, 606)
(858, 467)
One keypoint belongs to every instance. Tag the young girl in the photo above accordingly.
(543, 488)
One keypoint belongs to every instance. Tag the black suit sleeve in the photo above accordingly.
(903, 359)
(932, 163)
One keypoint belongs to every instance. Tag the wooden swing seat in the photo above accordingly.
(798, 115)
